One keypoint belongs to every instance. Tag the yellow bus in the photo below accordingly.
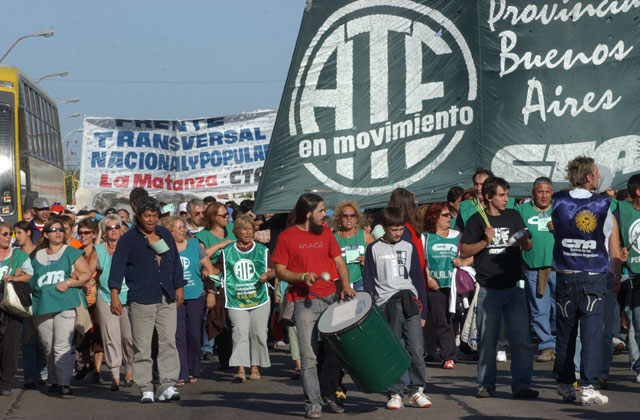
(31, 159)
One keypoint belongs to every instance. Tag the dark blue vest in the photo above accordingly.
(578, 230)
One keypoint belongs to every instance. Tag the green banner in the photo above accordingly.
(384, 94)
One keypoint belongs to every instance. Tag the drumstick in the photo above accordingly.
(633, 242)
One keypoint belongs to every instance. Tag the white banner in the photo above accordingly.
(207, 156)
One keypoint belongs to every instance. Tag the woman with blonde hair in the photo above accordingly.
(196, 264)
(115, 330)
(246, 271)
(353, 240)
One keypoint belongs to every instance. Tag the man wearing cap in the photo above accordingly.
(42, 210)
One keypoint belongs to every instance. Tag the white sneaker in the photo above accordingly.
(280, 344)
(395, 402)
(169, 394)
(501, 356)
(638, 378)
(567, 392)
(419, 399)
(591, 396)
(147, 397)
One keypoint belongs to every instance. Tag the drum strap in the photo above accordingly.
(325, 300)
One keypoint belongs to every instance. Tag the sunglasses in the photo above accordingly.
(6, 234)
(348, 216)
(224, 216)
(114, 227)
(43, 209)
(446, 215)
(198, 213)
(84, 232)
(55, 229)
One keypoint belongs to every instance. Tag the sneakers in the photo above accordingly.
(147, 397)
(279, 344)
(484, 393)
(618, 346)
(448, 364)
(169, 394)
(419, 399)
(591, 396)
(567, 392)
(395, 402)
(547, 355)
(65, 390)
(314, 413)
(501, 356)
(526, 394)
(84, 371)
(638, 378)
(334, 406)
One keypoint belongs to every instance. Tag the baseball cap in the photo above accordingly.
(182, 207)
(41, 203)
(57, 208)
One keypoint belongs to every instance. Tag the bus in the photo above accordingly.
(31, 157)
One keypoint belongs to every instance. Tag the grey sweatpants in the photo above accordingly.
(56, 334)
(250, 336)
(143, 319)
(116, 338)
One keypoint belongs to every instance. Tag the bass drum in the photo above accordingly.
(364, 342)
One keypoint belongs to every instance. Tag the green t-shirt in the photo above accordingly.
(209, 239)
(104, 262)
(439, 253)
(352, 248)
(46, 299)
(630, 229)
(17, 259)
(541, 253)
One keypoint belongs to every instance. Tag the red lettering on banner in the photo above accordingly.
(177, 185)
(104, 181)
(200, 182)
(157, 183)
(121, 181)
(211, 181)
(143, 181)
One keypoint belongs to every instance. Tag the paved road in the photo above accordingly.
(276, 396)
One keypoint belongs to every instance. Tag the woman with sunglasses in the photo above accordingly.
(217, 234)
(11, 259)
(115, 330)
(195, 264)
(352, 239)
(441, 254)
(59, 274)
(88, 234)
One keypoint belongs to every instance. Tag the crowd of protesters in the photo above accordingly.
(152, 292)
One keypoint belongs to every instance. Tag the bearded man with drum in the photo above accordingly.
(307, 256)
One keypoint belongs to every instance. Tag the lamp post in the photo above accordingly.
(46, 33)
(61, 73)
(69, 101)
(75, 114)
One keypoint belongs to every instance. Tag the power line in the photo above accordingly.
(169, 82)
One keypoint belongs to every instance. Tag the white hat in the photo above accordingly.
(182, 208)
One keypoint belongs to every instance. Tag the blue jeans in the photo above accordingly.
(632, 309)
(207, 345)
(306, 314)
(493, 304)
(543, 309)
(408, 331)
(580, 302)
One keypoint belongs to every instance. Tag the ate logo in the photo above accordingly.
(373, 107)
(244, 270)
(634, 233)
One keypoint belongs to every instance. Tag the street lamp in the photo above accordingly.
(60, 73)
(69, 101)
(75, 114)
(47, 33)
